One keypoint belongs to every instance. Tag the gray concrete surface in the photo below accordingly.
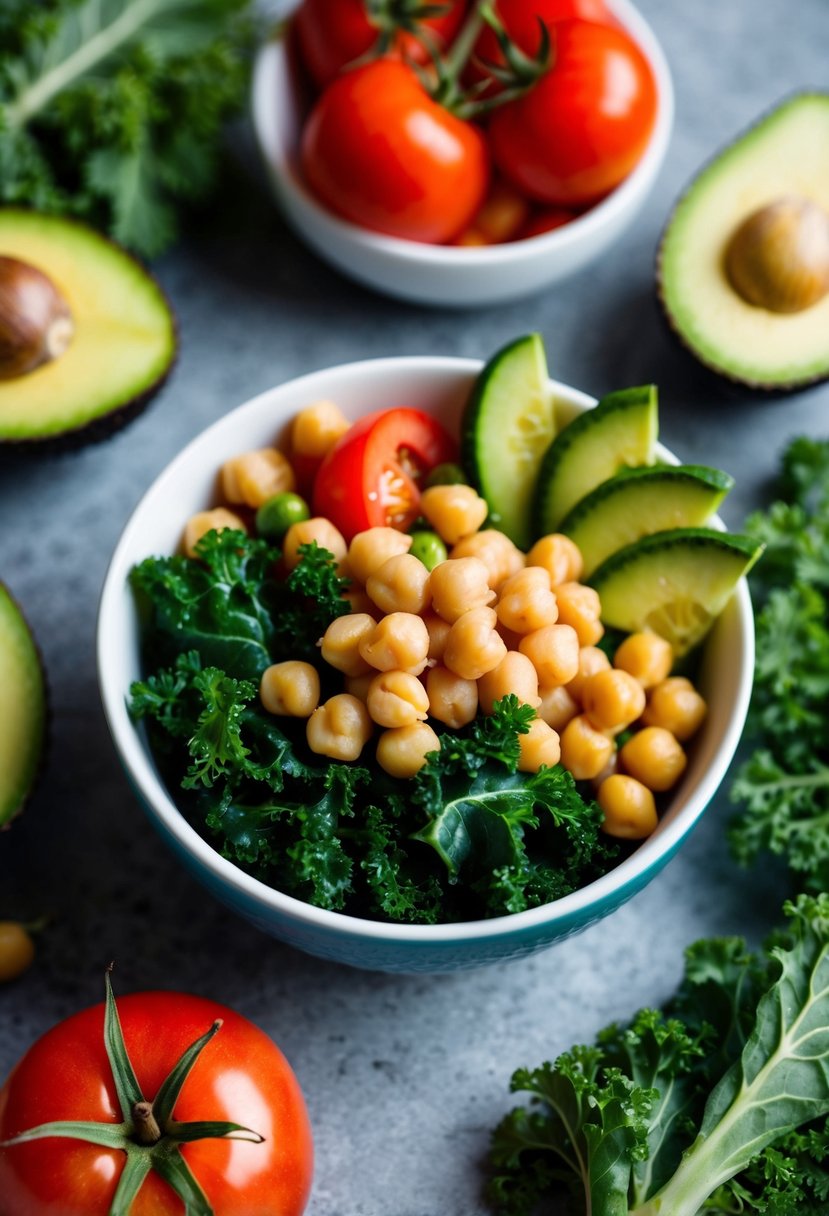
(404, 1076)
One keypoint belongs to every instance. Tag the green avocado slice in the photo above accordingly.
(22, 708)
(123, 341)
(637, 502)
(785, 155)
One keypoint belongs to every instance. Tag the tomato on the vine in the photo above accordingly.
(521, 21)
(377, 150)
(232, 1134)
(333, 33)
(580, 130)
(371, 477)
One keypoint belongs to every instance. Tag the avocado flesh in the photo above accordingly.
(785, 153)
(22, 708)
(124, 341)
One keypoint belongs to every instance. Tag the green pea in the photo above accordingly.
(447, 474)
(428, 548)
(274, 517)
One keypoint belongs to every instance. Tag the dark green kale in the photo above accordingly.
(783, 787)
(112, 110)
(716, 1103)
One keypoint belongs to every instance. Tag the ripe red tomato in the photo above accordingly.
(379, 151)
(520, 19)
(577, 133)
(241, 1077)
(333, 33)
(370, 477)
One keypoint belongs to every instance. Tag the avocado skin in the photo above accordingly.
(96, 430)
(771, 390)
(45, 744)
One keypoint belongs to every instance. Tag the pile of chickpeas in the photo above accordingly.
(443, 637)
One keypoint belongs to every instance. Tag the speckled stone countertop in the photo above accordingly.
(404, 1075)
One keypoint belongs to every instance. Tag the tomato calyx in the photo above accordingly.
(518, 73)
(148, 1135)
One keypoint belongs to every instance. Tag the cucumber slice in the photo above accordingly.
(637, 502)
(674, 583)
(508, 424)
(621, 430)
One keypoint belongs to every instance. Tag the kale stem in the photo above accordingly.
(91, 51)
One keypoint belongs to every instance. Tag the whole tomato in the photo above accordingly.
(578, 132)
(239, 1077)
(520, 19)
(333, 33)
(377, 150)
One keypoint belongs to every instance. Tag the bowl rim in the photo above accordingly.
(271, 56)
(624, 879)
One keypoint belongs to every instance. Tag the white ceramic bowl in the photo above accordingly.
(438, 274)
(440, 386)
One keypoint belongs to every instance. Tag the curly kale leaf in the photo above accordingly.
(519, 839)
(112, 110)
(726, 1108)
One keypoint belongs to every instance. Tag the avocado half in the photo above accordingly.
(737, 216)
(87, 336)
(22, 709)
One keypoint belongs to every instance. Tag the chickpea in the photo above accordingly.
(514, 674)
(526, 602)
(609, 769)
(255, 477)
(305, 533)
(646, 656)
(397, 698)
(654, 757)
(401, 584)
(402, 751)
(495, 549)
(340, 728)
(368, 550)
(580, 607)
(676, 705)
(317, 428)
(358, 686)
(584, 750)
(612, 699)
(541, 745)
(559, 556)
(17, 950)
(452, 699)
(438, 634)
(458, 585)
(591, 660)
(553, 652)
(473, 647)
(399, 641)
(556, 706)
(341, 641)
(200, 524)
(629, 808)
(453, 511)
(291, 688)
(359, 599)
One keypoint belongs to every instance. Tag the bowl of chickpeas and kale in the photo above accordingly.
(388, 656)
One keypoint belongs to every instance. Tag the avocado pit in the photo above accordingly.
(778, 258)
(36, 324)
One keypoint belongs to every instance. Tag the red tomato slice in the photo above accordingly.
(370, 478)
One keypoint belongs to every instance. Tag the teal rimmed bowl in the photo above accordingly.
(440, 386)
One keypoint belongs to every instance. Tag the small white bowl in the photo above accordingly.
(439, 386)
(445, 275)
